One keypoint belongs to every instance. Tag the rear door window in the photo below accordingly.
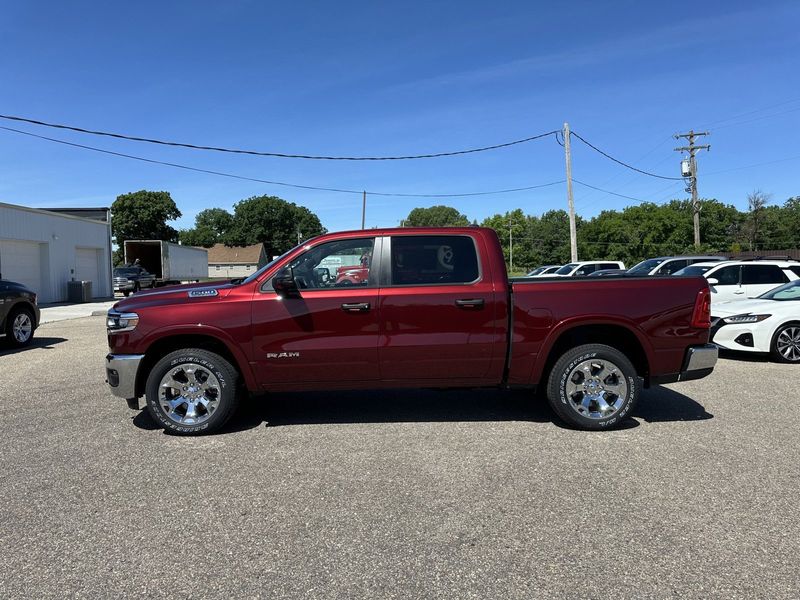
(727, 275)
(609, 266)
(434, 259)
(672, 266)
(763, 274)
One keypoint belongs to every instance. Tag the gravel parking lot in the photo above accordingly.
(424, 494)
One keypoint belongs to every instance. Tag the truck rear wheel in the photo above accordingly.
(192, 392)
(593, 386)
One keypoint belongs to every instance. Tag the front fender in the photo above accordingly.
(233, 345)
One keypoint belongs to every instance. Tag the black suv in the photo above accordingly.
(132, 279)
(19, 313)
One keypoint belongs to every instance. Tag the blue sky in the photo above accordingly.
(377, 78)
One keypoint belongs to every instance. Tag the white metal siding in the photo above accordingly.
(22, 262)
(186, 262)
(57, 236)
(87, 267)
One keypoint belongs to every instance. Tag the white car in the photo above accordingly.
(669, 265)
(740, 279)
(581, 269)
(769, 323)
(544, 271)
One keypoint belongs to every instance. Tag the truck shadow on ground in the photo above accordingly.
(45, 343)
(657, 404)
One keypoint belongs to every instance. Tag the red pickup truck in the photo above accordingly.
(434, 309)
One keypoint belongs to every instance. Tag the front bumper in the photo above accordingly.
(743, 337)
(698, 362)
(121, 373)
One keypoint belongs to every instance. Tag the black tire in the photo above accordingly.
(567, 407)
(790, 331)
(136, 287)
(12, 316)
(227, 398)
(126, 293)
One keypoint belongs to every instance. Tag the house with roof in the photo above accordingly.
(235, 261)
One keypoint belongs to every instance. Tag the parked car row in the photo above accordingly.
(755, 302)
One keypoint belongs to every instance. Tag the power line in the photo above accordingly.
(273, 154)
(270, 182)
(607, 191)
(624, 164)
(751, 112)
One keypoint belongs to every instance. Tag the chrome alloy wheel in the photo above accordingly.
(189, 394)
(596, 388)
(22, 327)
(788, 344)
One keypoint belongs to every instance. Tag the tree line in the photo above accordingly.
(634, 233)
(270, 220)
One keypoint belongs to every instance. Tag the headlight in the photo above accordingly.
(118, 322)
(745, 319)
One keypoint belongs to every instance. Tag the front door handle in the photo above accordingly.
(356, 307)
(470, 303)
(739, 292)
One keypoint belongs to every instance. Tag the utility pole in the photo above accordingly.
(689, 171)
(573, 236)
(364, 210)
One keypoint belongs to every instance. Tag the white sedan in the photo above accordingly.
(769, 323)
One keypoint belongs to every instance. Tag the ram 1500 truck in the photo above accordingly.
(435, 308)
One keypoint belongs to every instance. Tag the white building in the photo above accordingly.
(45, 250)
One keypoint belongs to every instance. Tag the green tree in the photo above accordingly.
(436, 216)
(210, 227)
(142, 215)
(756, 204)
(272, 221)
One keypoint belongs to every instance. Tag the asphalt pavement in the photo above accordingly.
(421, 494)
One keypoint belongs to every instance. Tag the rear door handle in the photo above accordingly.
(470, 303)
(356, 307)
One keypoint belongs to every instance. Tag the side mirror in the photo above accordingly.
(284, 284)
(712, 281)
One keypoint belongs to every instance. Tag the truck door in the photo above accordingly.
(438, 311)
(330, 333)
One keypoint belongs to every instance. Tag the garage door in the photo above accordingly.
(21, 262)
(86, 268)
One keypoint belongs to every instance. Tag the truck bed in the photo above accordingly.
(657, 309)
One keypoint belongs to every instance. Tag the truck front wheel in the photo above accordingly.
(593, 386)
(192, 391)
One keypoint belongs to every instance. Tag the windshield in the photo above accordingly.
(692, 270)
(788, 291)
(566, 269)
(536, 271)
(125, 272)
(256, 275)
(645, 266)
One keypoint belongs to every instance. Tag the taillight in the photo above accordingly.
(701, 317)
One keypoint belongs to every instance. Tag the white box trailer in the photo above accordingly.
(170, 263)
